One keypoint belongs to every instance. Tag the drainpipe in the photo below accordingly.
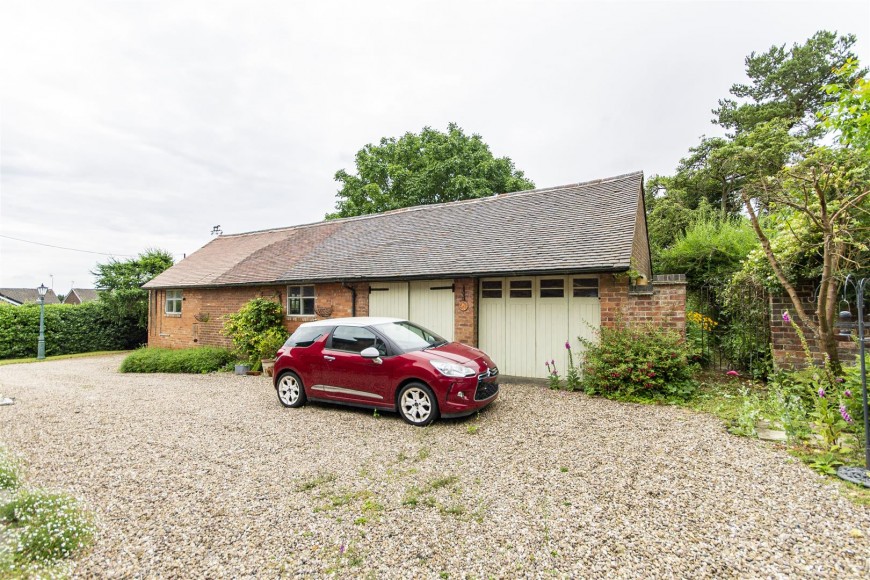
(352, 298)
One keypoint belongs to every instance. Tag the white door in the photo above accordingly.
(526, 321)
(431, 305)
(388, 299)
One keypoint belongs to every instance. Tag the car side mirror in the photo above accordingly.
(372, 354)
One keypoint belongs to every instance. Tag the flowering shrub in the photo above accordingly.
(46, 528)
(10, 470)
(572, 376)
(638, 360)
(553, 375)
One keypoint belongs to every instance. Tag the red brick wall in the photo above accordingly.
(788, 352)
(204, 310)
(465, 311)
(662, 303)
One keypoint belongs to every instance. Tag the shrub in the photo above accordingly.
(638, 360)
(255, 328)
(47, 527)
(69, 329)
(203, 359)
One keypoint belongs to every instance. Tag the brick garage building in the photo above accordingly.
(516, 274)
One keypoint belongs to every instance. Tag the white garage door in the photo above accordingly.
(526, 321)
(429, 303)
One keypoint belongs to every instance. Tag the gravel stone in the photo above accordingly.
(209, 476)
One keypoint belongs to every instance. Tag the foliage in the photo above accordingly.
(46, 528)
(553, 375)
(69, 329)
(120, 282)
(849, 114)
(572, 375)
(255, 328)
(10, 470)
(747, 417)
(711, 250)
(203, 359)
(429, 167)
(638, 360)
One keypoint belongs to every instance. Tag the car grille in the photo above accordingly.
(485, 391)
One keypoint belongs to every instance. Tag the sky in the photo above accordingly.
(130, 125)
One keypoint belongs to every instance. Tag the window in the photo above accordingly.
(521, 289)
(356, 339)
(585, 287)
(408, 336)
(173, 301)
(553, 288)
(306, 336)
(300, 300)
(490, 289)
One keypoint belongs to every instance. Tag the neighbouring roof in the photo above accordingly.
(581, 227)
(83, 294)
(20, 296)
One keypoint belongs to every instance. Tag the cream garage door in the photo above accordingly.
(429, 303)
(526, 321)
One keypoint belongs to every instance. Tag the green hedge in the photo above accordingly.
(69, 329)
(203, 359)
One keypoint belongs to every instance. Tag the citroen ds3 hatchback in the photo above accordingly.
(384, 363)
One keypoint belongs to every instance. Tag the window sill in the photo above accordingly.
(301, 317)
(172, 314)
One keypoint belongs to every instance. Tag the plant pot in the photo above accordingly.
(268, 366)
(242, 369)
(254, 373)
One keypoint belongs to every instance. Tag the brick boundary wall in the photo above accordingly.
(788, 353)
(662, 303)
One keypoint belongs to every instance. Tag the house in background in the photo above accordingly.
(80, 296)
(19, 296)
(516, 274)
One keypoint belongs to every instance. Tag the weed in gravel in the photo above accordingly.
(443, 482)
(375, 414)
(563, 469)
(45, 528)
(412, 497)
(337, 500)
(453, 510)
(423, 454)
(10, 470)
(361, 521)
(472, 429)
(402, 457)
(315, 481)
(429, 501)
(371, 505)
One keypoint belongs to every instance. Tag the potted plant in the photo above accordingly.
(254, 330)
(270, 342)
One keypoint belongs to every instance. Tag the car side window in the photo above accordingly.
(356, 339)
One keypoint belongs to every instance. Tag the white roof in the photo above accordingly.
(354, 321)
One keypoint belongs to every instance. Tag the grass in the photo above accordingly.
(10, 470)
(203, 359)
(315, 481)
(443, 482)
(15, 361)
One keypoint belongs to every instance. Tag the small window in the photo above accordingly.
(490, 289)
(306, 336)
(585, 287)
(553, 288)
(173, 301)
(300, 300)
(521, 289)
(356, 339)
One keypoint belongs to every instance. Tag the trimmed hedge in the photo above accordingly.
(202, 359)
(69, 329)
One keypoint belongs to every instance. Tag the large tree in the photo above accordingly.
(120, 282)
(429, 167)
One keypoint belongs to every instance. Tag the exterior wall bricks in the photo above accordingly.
(465, 311)
(788, 352)
(663, 303)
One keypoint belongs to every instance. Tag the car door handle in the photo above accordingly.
(327, 357)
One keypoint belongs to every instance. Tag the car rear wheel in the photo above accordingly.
(417, 404)
(291, 393)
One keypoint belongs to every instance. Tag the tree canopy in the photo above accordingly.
(121, 282)
(425, 168)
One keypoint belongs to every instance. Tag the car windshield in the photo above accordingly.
(409, 337)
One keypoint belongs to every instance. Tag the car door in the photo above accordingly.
(347, 376)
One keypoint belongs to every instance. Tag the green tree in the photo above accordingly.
(417, 169)
(121, 283)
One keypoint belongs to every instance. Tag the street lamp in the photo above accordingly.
(857, 474)
(40, 348)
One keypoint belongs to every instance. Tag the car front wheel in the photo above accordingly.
(417, 404)
(291, 393)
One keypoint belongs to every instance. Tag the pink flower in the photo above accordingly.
(822, 393)
(786, 317)
(846, 416)
(733, 374)
(847, 393)
(567, 345)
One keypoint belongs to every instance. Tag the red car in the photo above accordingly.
(384, 363)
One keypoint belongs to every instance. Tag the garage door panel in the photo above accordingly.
(491, 322)
(551, 324)
(389, 299)
(431, 305)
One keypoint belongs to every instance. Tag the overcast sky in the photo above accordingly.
(130, 125)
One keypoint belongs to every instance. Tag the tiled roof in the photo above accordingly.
(84, 295)
(581, 227)
(26, 295)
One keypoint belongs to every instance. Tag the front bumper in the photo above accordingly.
(477, 394)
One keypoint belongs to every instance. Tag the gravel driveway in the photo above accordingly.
(209, 476)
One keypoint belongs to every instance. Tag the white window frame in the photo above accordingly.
(302, 298)
(173, 297)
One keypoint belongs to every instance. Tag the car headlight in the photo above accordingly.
(452, 370)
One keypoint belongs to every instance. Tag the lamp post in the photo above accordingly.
(853, 474)
(40, 347)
